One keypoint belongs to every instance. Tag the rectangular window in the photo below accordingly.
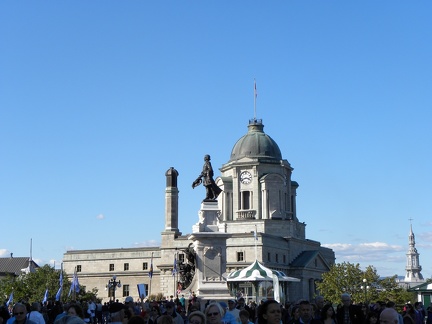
(277, 257)
(79, 268)
(245, 200)
(126, 267)
(240, 256)
(181, 258)
(284, 259)
(145, 265)
(268, 256)
(125, 290)
(111, 267)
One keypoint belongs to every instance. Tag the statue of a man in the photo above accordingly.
(206, 178)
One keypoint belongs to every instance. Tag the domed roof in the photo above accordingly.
(256, 144)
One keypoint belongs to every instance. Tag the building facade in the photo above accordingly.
(257, 209)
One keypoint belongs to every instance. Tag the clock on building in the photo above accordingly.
(245, 177)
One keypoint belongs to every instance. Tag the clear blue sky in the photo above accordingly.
(99, 98)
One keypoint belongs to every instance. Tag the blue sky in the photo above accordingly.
(99, 98)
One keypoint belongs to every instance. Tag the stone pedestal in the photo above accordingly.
(209, 237)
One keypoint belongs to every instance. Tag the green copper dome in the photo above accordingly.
(256, 144)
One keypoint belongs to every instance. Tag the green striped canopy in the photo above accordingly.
(257, 272)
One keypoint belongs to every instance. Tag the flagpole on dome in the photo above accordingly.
(255, 96)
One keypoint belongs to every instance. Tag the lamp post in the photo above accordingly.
(113, 284)
(365, 287)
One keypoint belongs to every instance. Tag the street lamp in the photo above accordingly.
(365, 287)
(113, 284)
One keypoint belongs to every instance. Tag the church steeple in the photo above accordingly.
(413, 267)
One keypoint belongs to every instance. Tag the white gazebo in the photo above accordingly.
(271, 281)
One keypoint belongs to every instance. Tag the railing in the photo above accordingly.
(246, 214)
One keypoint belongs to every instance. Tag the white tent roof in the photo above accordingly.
(257, 272)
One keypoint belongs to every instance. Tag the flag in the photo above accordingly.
(141, 291)
(10, 300)
(175, 265)
(61, 278)
(151, 268)
(45, 299)
(59, 292)
(58, 295)
(75, 284)
(255, 236)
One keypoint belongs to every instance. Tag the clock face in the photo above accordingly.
(245, 177)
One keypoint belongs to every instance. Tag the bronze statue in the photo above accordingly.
(212, 190)
(187, 268)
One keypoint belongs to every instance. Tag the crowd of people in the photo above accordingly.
(234, 311)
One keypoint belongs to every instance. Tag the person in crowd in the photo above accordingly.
(4, 314)
(269, 312)
(241, 304)
(67, 319)
(91, 310)
(56, 310)
(348, 313)
(372, 318)
(429, 315)
(286, 315)
(392, 305)
(165, 319)
(117, 312)
(214, 313)
(19, 313)
(233, 310)
(75, 310)
(136, 319)
(170, 310)
(295, 314)
(419, 311)
(35, 315)
(365, 309)
(99, 312)
(154, 314)
(227, 318)
(319, 305)
(306, 316)
(328, 315)
(182, 301)
(388, 316)
(245, 317)
(64, 313)
(409, 316)
(129, 302)
(197, 317)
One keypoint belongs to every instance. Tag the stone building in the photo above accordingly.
(256, 211)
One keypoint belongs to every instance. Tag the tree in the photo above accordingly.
(31, 287)
(363, 286)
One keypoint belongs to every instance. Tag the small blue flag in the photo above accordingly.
(45, 299)
(10, 300)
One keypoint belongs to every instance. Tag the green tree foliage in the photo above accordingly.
(31, 287)
(363, 286)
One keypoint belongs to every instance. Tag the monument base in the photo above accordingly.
(209, 237)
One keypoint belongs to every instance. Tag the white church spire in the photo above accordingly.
(413, 267)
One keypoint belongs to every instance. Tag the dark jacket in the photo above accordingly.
(355, 313)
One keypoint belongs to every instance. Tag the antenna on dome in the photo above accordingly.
(255, 96)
